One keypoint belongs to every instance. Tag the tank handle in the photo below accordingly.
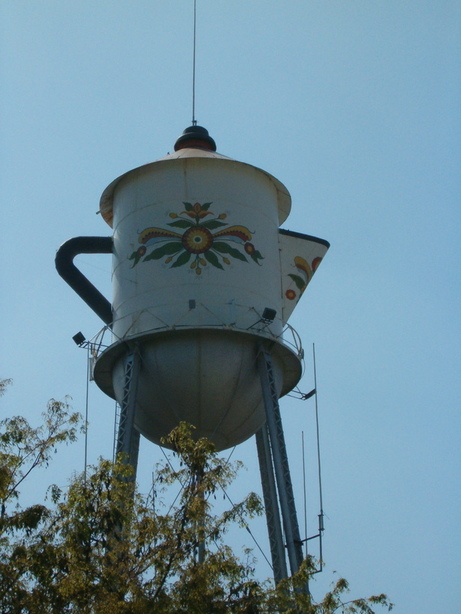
(75, 278)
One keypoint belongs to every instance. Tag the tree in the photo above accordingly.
(102, 548)
(22, 450)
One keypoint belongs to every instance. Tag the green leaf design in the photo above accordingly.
(167, 249)
(136, 257)
(181, 224)
(256, 255)
(212, 224)
(206, 206)
(225, 248)
(182, 259)
(213, 259)
(188, 206)
(299, 281)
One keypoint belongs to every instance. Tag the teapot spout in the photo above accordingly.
(300, 256)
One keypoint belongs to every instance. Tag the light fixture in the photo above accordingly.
(79, 339)
(268, 315)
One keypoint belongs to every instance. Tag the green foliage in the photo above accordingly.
(3, 384)
(24, 448)
(103, 549)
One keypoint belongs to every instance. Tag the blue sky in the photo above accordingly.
(355, 106)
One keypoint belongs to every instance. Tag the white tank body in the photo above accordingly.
(194, 229)
(197, 270)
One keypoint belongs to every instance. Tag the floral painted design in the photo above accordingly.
(302, 277)
(203, 241)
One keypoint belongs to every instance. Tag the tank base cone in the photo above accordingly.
(206, 377)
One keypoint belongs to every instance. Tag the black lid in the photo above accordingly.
(195, 136)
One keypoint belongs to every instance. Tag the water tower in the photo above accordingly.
(204, 282)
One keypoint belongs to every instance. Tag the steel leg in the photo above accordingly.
(280, 461)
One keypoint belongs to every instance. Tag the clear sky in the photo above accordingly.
(355, 106)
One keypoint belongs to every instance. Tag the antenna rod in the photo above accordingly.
(194, 121)
(321, 526)
(305, 494)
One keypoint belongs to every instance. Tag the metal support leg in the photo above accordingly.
(280, 460)
(274, 527)
(128, 436)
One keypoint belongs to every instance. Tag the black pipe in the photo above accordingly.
(75, 278)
